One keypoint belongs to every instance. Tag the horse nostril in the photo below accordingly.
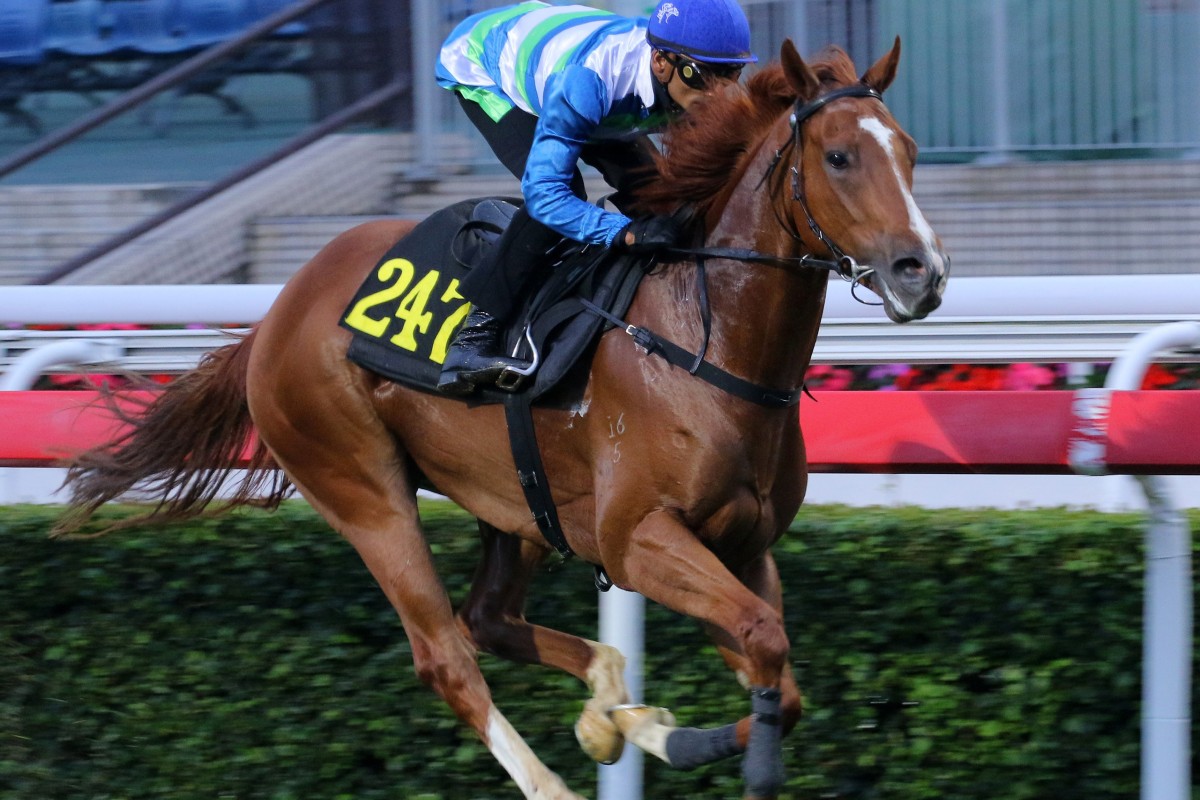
(909, 268)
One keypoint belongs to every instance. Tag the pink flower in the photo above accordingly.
(1028, 377)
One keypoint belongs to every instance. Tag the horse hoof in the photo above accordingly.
(632, 718)
(598, 735)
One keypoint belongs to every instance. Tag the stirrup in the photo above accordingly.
(512, 378)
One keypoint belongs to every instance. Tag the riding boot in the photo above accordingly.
(496, 288)
(474, 357)
(501, 281)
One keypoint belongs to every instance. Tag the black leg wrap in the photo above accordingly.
(762, 768)
(688, 748)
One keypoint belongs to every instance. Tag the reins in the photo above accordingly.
(530, 471)
(841, 264)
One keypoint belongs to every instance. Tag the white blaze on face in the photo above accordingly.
(916, 220)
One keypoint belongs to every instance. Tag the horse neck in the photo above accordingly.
(764, 318)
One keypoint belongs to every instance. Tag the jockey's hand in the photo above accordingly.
(649, 235)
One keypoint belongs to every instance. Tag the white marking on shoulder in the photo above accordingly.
(578, 411)
(885, 136)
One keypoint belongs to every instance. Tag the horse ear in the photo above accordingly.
(799, 75)
(883, 72)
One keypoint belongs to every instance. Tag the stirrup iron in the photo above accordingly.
(512, 378)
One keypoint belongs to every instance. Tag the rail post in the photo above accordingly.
(1167, 612)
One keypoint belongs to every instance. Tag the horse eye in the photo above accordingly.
(837, 160)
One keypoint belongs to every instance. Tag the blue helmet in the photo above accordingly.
(713, 31)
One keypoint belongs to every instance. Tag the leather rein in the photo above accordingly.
(841, 264)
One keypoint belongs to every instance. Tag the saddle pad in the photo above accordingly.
(408, 309)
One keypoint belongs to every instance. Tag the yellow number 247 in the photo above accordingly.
(397, 274)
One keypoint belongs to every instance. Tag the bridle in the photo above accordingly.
(843, 264)
(839, 263)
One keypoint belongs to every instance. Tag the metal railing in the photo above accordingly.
(1168, 586)
(177, 76)
(984, 320)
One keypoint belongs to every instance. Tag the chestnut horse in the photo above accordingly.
(676, 488)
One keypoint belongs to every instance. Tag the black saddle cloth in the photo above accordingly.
(406, 312)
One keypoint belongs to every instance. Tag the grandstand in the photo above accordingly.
(1092, 175)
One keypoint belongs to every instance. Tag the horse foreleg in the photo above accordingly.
(665, 561)
(762, 577)
(494, 618)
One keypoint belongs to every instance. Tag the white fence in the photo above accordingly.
(1083, 319)
(984, 319)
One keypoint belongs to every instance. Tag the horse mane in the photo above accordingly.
(705, 149)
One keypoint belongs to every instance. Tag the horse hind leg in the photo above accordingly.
(494, 617)
(354, 477)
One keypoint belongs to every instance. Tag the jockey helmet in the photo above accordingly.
(708, 31)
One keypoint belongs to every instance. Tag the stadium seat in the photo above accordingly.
(73, 28)
(22, 28)
(142, 27)
(22, 24)
(261, 9)
(205, 22)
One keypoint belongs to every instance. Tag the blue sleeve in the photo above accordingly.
(574, 102)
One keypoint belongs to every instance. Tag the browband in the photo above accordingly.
(805, 111)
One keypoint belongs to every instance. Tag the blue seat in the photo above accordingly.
(137, 27)
(205, 22)
(22, 29)
(73, 28)
(261, 9)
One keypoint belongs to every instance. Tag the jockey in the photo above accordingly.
(548, 86)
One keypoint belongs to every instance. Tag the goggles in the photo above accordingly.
(700, 76)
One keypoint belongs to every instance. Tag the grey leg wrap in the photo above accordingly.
(688, 748)
(762, 767)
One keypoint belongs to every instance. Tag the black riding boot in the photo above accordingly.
(513, 266)
(474, 357)
(496, 288)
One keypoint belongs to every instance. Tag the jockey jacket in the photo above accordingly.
(584, 72)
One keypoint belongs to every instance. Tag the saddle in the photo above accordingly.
(408, 309)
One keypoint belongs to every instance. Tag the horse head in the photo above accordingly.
(847, 191)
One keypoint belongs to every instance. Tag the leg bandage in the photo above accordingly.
(688, 748)
(762, 768)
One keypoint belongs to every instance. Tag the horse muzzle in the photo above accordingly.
(912, 285)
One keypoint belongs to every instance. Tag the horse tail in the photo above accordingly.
(177, 449)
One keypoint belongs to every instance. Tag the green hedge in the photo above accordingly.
(253, 657)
